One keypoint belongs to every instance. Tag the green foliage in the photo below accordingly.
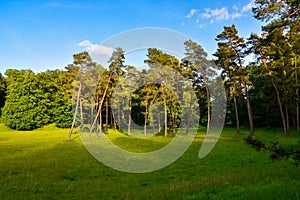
(34, 100)
(3, 88)
(25, 108)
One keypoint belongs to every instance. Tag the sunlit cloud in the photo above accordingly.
(211, 16)
(96, 48)
(248, 7)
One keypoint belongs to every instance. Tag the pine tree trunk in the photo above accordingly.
(165, 112)
(106, 116)
(249, 111)
(188, 118)
(145, 120)
(92, 113)
(119, 117)
(75, 114)
(278, 98)
(238, 131)
(280, 107)
(287, 119)
(173, 117)
(100, 122)
(129, 117)
(152, 121)
(208, 106)
(81, 116)
(99, 112)
(113, 119)
(123, 113)
(158, 116)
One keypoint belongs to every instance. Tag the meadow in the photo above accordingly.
(42, 164)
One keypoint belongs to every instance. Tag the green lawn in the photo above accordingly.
(41, 164)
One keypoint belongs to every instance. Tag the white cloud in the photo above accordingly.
(248, 7)
(191, 13)
(236, 15)
(96, 48)
(234, 7)
(219, 14)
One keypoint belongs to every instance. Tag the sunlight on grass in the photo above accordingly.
(42, 164)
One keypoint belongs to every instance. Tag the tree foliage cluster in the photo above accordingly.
(33, 100)
(124, 96)
(260, 75)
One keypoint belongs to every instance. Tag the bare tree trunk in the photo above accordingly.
(188, 118)
(165, 112)
(238, 130)
(249, 111)
(280, 107)
(278, 98)
(173, 117)
(166, 119)
(99, 112)
(208, 106)
(119, 117)
(129, 117)
(113, 119)
(75, 114)
(152, 121)
(81, 116)
(123, 113)
(97, 125)
(100, 122)
(158, 115)
(145, 120)
(106, 116)
(92, 113)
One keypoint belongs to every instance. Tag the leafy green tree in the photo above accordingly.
(85, 85)
(108, 81)
(278, 50)
(101, 95)
(161, 63)
(62, 114)
(196, 59)
(26, 106)
(130, 82)
(231, 54)
(3, 88)
(262, 95)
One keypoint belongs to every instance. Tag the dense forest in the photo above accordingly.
(260, 74)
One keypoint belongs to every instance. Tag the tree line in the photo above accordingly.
(260, 75)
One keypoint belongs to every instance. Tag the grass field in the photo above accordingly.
(41, 164)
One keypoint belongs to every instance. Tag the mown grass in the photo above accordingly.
(41, 164)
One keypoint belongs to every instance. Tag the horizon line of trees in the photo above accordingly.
(263, 92)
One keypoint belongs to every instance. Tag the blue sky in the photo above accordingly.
(41, 35)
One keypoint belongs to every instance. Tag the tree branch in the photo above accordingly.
(276, 151)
